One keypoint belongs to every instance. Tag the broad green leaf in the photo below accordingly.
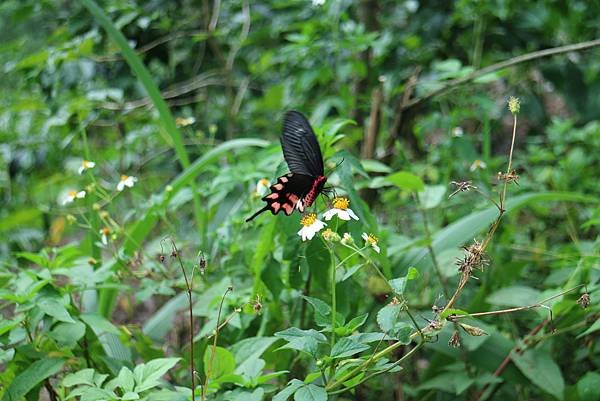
(68, 333)
(388, 319)
(310, 392)
(84, 376)
(516, 295)
(53, 307)
(399, 284)
(318, 259)
(161, 322)
(148, 375)
(125, 379)
(290, 389)
(99, 324)
(346, 347)
(293, 333)
(406, 181)
(250, 349)
(465, 229)
(432, 196)
(594, 327)
(539, 367)
(35, 373)
(588, 387)
(222, 363)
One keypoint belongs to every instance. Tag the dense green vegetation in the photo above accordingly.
(137, 136)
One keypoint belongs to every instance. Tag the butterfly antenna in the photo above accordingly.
(336, 166)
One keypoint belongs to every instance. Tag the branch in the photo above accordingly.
(500, 66)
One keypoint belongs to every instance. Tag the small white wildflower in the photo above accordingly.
(72, 195)
(126, 181)
(86, 165)
(478, 164)
(371, 241)
(347, 239)
(318, 3)
(341, 209)
(184, 121)
(310, 226)
(457, 132)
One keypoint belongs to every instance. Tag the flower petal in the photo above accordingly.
(328, 215)
(352, 214)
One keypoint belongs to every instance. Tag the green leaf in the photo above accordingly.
(540, 368)
(432, 196)
(594, 327)
(318, 259)
(588, 387)
(294, 333)
(406, 181)
(346, 347)
(516, 295)
(148, 375)
(310, 392)
(464, 229)
(250, 349)
(399, 284)
(290, 389)
(37, 372)
(357, 322)
(84, 376)
(223, 362)
(161, 322)
(52, 306)
(125, 379)
(388, 321)
(68, 333)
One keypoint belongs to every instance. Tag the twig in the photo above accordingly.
(499, 66)
(539, 304)
(368, 146)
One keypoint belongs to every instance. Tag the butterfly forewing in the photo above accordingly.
(300, 147)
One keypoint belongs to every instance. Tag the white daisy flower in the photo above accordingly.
(341, 209)
(371, 241)
(126, 181)
(104, 233)
(478, 164)
(86, 165)
(318, 3)
(72, 195)
(310, 226)
(262, 187)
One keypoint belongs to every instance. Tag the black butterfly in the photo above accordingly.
(299, 188)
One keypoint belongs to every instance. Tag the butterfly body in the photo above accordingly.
(299, 188)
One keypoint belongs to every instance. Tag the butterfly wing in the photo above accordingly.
(300, 146)
(286, 194)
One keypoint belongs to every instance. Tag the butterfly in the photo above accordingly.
(300, 187)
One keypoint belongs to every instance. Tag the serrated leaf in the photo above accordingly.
(290, 389)
(84, 376)
(346, 347)
(53, 307)
(293, 333)
(310, 392)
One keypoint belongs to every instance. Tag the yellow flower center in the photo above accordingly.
(264, 182)
(327, 234)
(341, 203)
(308, 219)
(371, 239)
(86, 164)
(124, 177)
(72, 194)
(105, 231)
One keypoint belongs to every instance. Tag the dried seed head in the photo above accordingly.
(584, 301)
(174, 253)
(472, 330)
(161, 258)
(461, 186)
(454, 340)
(510, 177)
(474, 258)
(395, 301)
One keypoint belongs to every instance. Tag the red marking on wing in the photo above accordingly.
(288, 208)
(277, 187)
(274, 195)
(275, 206)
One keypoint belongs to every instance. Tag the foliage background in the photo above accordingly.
(69, 302)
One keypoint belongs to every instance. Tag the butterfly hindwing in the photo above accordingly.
(300, 146)
(287, 194)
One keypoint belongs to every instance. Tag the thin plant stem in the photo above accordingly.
(434, 260)
(510, 156)
(188, 284)
(214, 346)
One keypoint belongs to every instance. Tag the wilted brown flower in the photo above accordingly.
(584, 301)
(472, 330)
(454, 339)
